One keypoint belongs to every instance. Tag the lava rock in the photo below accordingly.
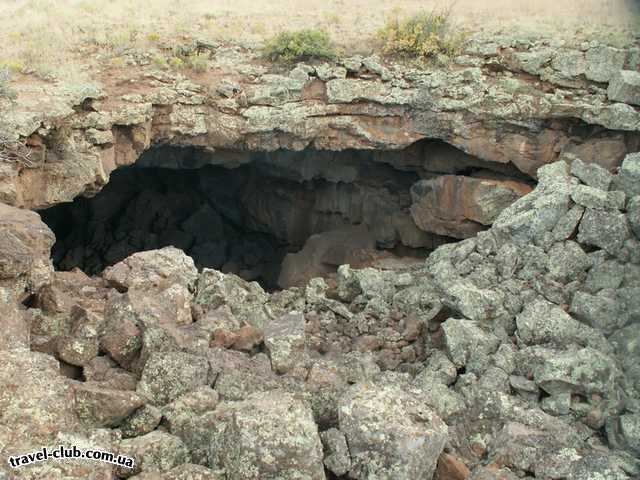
(168, 375)
(336, 451)
(390, 433)
(284, 339)
(602, 229)
(267, 436)
(625, 87)
(156, 452)
(100, 407)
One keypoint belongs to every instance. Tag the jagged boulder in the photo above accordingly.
(168, 375)
(153, 271)
(24, 247)
(267, 436)
(390, 433)
(101, 407)
(36, 403)
(625, 87)
(245, 299)
(156, 452)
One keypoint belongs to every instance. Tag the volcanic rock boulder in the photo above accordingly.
(24, 247)
(625, 87)
(267, 436)
(156, 452)
(458, 206)
(390, 432)
(153, 271)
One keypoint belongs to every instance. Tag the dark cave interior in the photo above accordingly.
(244, 212)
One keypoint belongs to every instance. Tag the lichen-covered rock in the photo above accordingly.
(15, 332)
(336, 451)
(81, 345)
(24, 248)
(603, 62)
(626, 342)
(390, 433)
(589, 197)
(604, 274)
(122, 337)
(467, 344)
(35, 402)
(168, 375)
(524, 448)
(628, 179)
(624, 432)
(153, 271)
(267, 436)
(584, 371)
(531, 216)
(144, 420)
(156, 452)
(100, 407)
(491, 473)
(602, 311)
(245, 299)
(567, 261)
(591, 174)
(633, 214)
(191, 418)
(238, 375)
(606, 230)
(285, 341)
(625, 87)
(542, 322)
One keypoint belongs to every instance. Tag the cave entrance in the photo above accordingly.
(249, 212)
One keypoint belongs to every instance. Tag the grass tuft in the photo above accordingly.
(306, 44)
(426, 35)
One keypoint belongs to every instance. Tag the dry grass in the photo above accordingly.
(16, 152)
(55, 37)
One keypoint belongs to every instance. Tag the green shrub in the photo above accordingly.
(198, 62)
(176, 63)
(300, 45)
(424, 35)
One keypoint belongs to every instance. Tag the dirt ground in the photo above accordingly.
(58, 36)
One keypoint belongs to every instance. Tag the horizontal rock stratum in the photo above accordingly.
(505, 100)
(510, 354)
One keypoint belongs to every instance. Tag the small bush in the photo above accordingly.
(160, 62)
(153, 37)
(425, 35)
(13, 66)
(300, 45)
(198, 62)
(176, 63)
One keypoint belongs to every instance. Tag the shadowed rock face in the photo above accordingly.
(243, 213)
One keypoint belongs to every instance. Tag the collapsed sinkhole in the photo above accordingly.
(243, 212)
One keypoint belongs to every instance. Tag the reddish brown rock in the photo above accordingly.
(451, 468)
(323, 252)
(459, 206)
